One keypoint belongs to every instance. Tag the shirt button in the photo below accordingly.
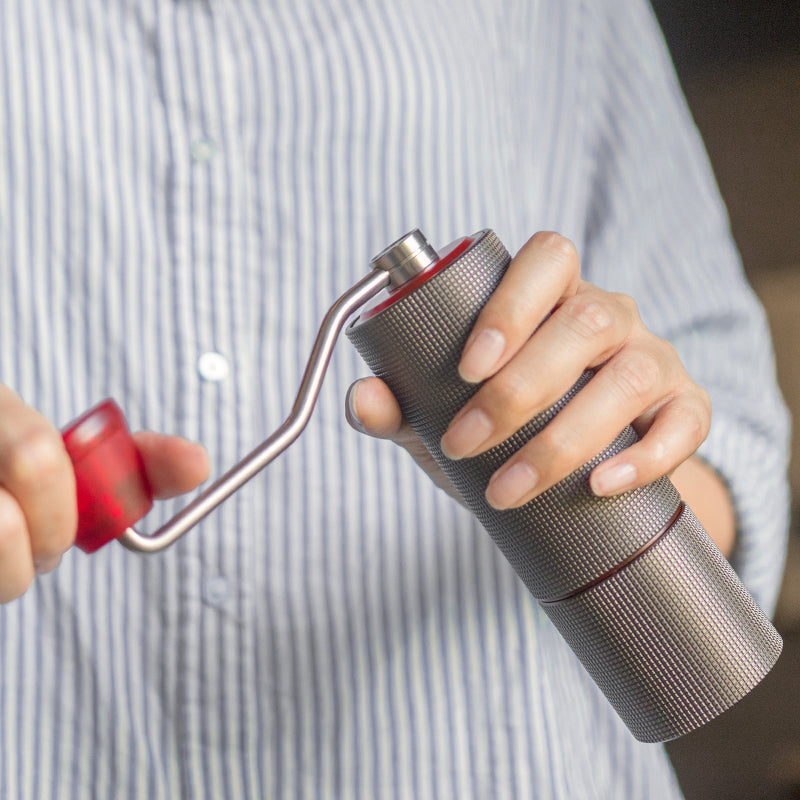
(213, 367)
(203, 150)
(216, 591)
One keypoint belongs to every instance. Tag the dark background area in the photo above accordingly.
(739, 65)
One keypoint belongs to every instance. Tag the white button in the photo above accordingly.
(216, 591)
(203, 150)
(213, 367)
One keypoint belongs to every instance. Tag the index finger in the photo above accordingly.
(173, 465)
(544, 273)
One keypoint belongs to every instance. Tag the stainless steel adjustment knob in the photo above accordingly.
(408, 256)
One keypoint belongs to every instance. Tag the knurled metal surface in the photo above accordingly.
(673, 639)
(566, 537)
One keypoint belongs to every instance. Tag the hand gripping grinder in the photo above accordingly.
(633, 583)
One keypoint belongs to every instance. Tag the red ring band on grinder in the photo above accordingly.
(629, 560)
(451, 253)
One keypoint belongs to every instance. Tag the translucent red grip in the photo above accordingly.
(112, 488)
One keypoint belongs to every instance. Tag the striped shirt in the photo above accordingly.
(185, 187)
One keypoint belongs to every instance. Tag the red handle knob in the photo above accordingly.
(112, 488)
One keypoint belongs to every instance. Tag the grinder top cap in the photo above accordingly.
(405, 258)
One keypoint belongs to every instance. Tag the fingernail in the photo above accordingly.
(511, 484)
(481, 355)
(467, 434)
(44, 565)
(613, 479)
(350, 408)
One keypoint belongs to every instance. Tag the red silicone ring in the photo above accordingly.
(447, 257)
(112, 489)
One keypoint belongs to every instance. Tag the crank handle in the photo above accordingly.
(112, 489)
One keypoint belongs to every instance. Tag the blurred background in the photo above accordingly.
(738, 62)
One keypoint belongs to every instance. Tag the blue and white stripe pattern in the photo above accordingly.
(179, 177)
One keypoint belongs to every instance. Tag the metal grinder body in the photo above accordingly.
(633, 583)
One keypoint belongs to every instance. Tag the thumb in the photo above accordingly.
(173, 465)
(372, 409)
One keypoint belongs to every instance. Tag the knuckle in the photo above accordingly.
(557, 245)
(705, 404)
(696, 424)
(17, 567)
(586, 317)
(55, 543)
(562, 447)
(668, 350)
(509, 390)
(627, 304)
(36, 457)
(16, 585)
(636, 375)
(12, 524)
(658, 455)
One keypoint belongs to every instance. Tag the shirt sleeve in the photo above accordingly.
(657, 229)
